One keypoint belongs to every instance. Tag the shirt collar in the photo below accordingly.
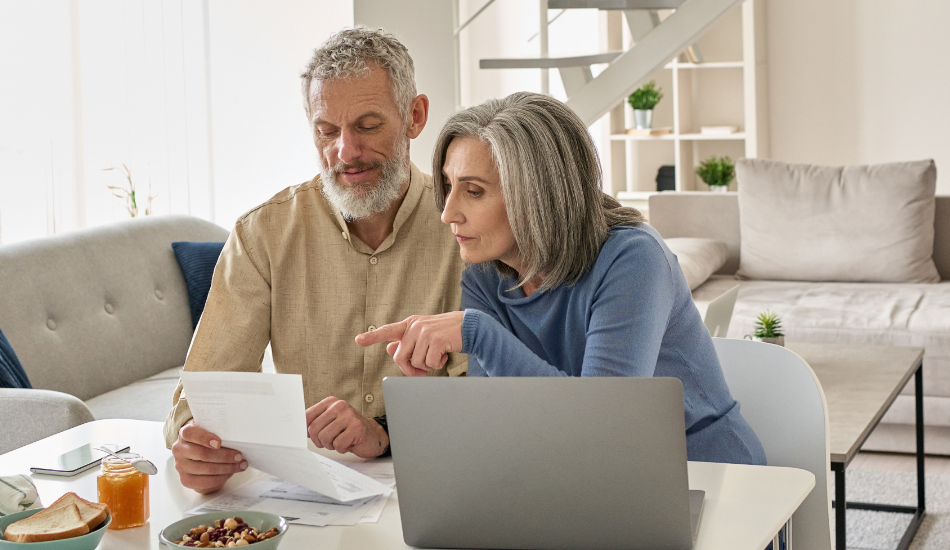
(408, 206)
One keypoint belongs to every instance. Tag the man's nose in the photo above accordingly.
(348, 146)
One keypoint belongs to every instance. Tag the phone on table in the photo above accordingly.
(77, 460)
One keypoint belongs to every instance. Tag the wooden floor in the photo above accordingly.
(899, 463)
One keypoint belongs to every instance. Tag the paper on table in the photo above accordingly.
(302, 506)
(263, 416)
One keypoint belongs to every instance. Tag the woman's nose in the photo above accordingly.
(451, 213)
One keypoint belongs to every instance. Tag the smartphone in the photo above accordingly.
(77, 460)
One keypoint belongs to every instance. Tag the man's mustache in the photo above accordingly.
(359, 166)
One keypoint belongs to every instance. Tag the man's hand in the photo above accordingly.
(335, 425)
(420, 343)
(201, 462)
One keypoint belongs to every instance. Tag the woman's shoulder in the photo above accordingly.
(640, 243)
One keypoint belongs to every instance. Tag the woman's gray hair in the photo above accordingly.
(550, 179)
(347, 53)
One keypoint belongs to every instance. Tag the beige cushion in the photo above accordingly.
(698, 258)
(817, 223)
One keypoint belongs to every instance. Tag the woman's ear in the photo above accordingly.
(418, 115)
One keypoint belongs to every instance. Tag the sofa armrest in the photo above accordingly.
(31, 415)
(702, 216)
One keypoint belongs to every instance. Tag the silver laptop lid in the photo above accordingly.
(540, 463)
(719, 313)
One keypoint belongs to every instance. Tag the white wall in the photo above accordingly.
(262, 143)
(425, 28)
(860, 81)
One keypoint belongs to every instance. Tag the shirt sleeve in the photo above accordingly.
(235, 326)
(629, 313)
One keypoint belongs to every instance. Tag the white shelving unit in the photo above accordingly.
(727, 90)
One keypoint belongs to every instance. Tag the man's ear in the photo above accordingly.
(418, 115)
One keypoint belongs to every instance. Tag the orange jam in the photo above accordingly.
(125, 490)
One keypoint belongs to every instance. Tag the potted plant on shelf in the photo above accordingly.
(768, 328)
(643, 100)
(717, 173)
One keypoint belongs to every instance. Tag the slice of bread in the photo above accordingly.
(63, 523)
(93, 513)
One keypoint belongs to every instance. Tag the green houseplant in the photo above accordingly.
(643, 100)
(768, 328)
(717, 173)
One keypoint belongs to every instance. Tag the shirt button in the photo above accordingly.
(371, 327)
(374, 260)
(344, 234)
(51, 324)
(159, 294)
(109, 308)
(369, 398)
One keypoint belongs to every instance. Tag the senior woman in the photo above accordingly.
(564, 281)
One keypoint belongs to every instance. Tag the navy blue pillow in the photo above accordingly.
(12, 374)
(197, 261)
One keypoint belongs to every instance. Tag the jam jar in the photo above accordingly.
(125, 490)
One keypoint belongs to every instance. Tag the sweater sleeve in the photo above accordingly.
(629, 313)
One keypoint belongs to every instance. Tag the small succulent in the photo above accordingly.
(717, 171)
(768, 325)
(645, 97)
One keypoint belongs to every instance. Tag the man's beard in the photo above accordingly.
(362, 200)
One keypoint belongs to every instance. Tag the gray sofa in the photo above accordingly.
(827, 312)
(100, 321)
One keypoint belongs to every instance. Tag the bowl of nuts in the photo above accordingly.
(232, 529)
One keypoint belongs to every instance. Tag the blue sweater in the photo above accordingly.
(632, 314)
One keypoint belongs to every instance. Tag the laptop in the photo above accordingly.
(719, 313)
(541, 463)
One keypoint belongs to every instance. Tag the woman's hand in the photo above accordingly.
(420, 343)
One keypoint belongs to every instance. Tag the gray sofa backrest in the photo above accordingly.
(97, 309)
(716, 216)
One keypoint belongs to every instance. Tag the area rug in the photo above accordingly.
(881, 530)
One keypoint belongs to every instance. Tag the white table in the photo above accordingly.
(745, 505)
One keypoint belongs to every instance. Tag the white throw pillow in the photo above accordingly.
(801, 222)
(698, 258)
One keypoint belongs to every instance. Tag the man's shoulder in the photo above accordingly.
(284, 199)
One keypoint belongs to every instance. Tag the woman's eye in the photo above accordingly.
(474, 192)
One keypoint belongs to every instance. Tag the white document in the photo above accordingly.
(303, 506)
(263, 416)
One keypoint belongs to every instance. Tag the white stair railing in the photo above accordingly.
(632, 68)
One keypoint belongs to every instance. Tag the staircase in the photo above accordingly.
(656, 42)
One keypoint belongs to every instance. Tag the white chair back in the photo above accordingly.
(781, 398)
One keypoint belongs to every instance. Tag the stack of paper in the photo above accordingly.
(263, 417)
(300, 505)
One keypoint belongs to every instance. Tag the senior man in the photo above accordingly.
(358, 246)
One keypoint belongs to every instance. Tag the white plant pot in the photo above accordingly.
(778, 340)
(643, 118)
(719, 188)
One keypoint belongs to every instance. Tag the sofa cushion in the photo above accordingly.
(148, 399)
(197, 261)
(698, 258)
(850, 313)
(11, 372)
(857, 223)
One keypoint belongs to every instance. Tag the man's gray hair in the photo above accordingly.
(550, 179)
(347, 54)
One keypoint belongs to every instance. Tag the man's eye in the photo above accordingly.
(327, 133)
(370, 128)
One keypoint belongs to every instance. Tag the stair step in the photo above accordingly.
(615, 4)
(548, 62)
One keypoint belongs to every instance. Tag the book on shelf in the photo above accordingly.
(649, 131)
(718, 130)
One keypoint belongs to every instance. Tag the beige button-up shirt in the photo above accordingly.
(292, 275)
